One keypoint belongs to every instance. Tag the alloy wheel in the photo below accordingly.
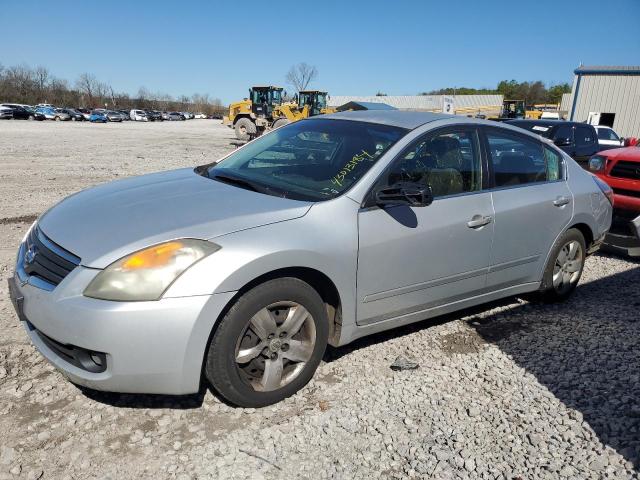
(568, 266)
(275, 346)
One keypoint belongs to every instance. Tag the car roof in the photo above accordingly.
(396, 118)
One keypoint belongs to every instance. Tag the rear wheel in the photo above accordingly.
(58, 119)
(31, 117)
(244, 128)
(269, 343)
(564, 267)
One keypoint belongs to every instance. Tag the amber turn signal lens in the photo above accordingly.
(153, 257)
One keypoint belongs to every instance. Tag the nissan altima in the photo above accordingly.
(240, 273)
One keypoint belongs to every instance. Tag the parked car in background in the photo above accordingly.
(550, 116)
(113, 116)
(74, 114)
(175, 116)
(579, 140)
(53, 113)
(98, 116)
(139, 115)
(420, 214)
(44, 105)
(22, 112)
(6, 113)
(48, 112)
(155, 115)
(86, 113)
(62, 115)
(608, 138)
(200, 115)
(187, 115)
(620, 168)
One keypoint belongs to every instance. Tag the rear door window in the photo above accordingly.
(516, 160)
(584, 136)
(564, 132)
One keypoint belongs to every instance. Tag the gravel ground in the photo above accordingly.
(512, 390)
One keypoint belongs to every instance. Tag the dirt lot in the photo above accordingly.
(511, 390)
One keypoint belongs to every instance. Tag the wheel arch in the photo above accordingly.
(240, 116)
(318, 280)
(586, 231)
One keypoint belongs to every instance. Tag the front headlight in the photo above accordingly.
(146, 274)
(596, 163)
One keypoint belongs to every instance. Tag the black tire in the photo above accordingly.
(244, 128)
(227, 377)
(556, 293)
(281, 122)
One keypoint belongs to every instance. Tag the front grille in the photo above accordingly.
(627, 193)
(626, 170)
(46, 260)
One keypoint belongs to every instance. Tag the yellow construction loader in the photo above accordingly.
(264, 109)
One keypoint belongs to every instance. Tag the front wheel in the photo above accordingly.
(564, 267)
(281, 122)
(58, 119)
(269, 344)
(244, 128)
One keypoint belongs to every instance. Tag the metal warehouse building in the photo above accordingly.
(607, 96)
(462, 104)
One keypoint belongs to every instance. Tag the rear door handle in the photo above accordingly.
(561, 201)
(478, 221)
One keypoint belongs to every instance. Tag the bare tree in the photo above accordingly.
(301, 75)
(41, 75)
(87, 85)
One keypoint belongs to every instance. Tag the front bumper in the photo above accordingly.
(147, 347)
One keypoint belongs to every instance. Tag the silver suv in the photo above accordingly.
(326, 230)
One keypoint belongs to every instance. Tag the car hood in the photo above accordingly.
(631, 154)
(102, 224)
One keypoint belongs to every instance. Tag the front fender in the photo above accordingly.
(325, 240)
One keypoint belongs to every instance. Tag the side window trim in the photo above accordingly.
(368, 201)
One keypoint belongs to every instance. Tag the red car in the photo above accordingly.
(620, 168)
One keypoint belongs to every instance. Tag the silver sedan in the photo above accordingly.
(323, 231)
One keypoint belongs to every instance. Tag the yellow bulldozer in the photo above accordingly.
(265, 109)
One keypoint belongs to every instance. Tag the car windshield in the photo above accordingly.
(312, 160)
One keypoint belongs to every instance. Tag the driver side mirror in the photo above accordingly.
(405, 193)
(562, 142)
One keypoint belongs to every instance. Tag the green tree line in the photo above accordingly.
(531, 92)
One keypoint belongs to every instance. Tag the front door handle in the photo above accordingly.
(561, 201)
(478, 221)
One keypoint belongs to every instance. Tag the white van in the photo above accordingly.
(139, 116)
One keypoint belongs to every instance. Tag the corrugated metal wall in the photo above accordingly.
(463, 104)
(619, 94)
